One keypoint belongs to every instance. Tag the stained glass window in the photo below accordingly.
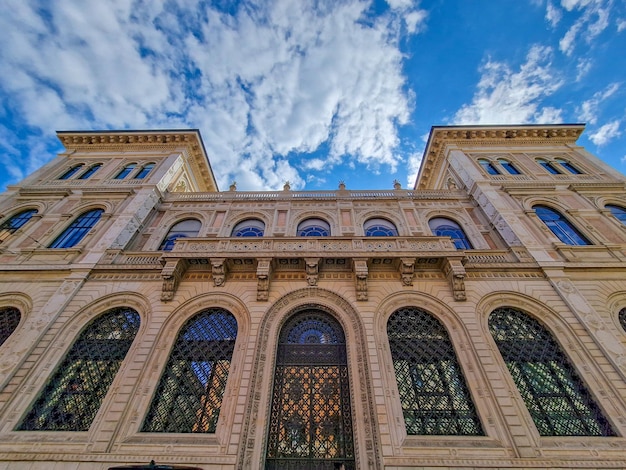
(554, 394)
(73, 234)
(74, 393)
(15, 223)
(560, 226)
(9, 320)
(443, 227)
(249, 228)
(618, 212)
(189, 395)
(433, 392)
(184, 228)
(380, 228)
(313, 228)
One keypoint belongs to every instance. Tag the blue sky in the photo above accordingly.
(313, 92)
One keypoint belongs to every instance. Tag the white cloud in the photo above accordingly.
(621, 25)
(606, 133)
(553, 14)
(506, 97)
(593, 20)
(588, 110)
(582, 68)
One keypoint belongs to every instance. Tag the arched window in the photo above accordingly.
(183, 229)
(554, 394)
(189, 395)
(618, 212)
(71, 172)
(310, 423)
(9, 319)
(147, 168)
(488, 167)
(433, 392)
(549, 167)
(443, 227)
(313, 228)
(74, 393)
(509, 167)
(248, 228)
(15, 223)
(73, 234)
(379, 228)
(90, 171)
(622, 318)
(560, 226)
(568, 166)
(125, 171)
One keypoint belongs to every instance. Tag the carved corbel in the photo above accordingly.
(218, 270)
(361, 272)
(455, 272)
(312, 270)
(407, 270)
(172, 273)
(263, 272)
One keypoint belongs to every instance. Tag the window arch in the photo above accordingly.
(183, 229)
(143, 172)
(90, 171)
(74, 393)
(313, 228)
(71, 172)
(560, 226)
(554, 394)
(509, 167)
(124, 172)
(548, 166)
(189, 395)
(9, 320)
(433, 391)
(568, 166)
(622, 318)
(379, 228)
(81, 226)
(618, 212)
(249, 228)
(489, 168)
(443, 227)
(15, 223)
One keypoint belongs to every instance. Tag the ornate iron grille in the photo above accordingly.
(311, 420)
(434, 396)
(555, 396)
(9, 319)
(622, 318)
(189, 395)
(72, 397)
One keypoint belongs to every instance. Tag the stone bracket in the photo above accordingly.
(312, 270)
(455, 272)
(361, 273)
(407, 271)
(172, 273)
(218, 270)
(263, 273)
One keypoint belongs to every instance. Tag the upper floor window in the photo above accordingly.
(183, 229)
(248, 228)
(125, 171)
(9, 320)
(622, 318)
(560, 226)
(313, 228)
(509, 167)
(143, 172)
(90, 171)
(488, 167)
(380, 228)
(71, 172)
(77, 230)
(568, 166)
(549, 167)
(443, 227)
(14, 223)
(618, 212)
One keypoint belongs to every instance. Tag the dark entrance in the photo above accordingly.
(311, 420)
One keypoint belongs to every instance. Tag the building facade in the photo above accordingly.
(476, 321)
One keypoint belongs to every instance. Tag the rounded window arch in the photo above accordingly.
(249, 228)
(71, 172)
(77, 230)
(184, 229)
(313, 227)
(548, 166)
(618, 212)
(9, 320)
(568, 166)
(90, 171)
(124, 172)
(378, 227)
(509, 167)
(489, 167)
(15, 223)
(621, 316)
(144, 170)
(444, 227)
(560, 226)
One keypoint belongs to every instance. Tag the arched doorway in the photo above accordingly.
(311, 418)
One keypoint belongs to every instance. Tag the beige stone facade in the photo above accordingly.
(576, 291)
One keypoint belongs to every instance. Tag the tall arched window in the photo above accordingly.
(189, 395)
(71, 172)
(310, 423)
(73, 234)
(143, 172)
(90, 171)
(443, 227)
(489, 168)
(187, 228)
(509, 167)
(248, 228)
(554, 394)
(560, 226)
(313, 228)
(433, 392)
(568, 166)
(74, 393)
(15, 223)
(125, 171)
(379, 228)
(549, 167)
(622, 318)
(618, 212)
(9, 319)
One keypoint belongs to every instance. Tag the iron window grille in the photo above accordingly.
(73, 234)
(554, 394)
(189, 395)
(74, 393)
(622, 318)
(433, 392)
(9, 320)
(560, 226)
(15, 223)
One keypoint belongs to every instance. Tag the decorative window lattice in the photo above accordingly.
(555, 396)
(434, 396)
(189, 395)
(9, 319)
(622, 318)
(311, 419)
(72, 397)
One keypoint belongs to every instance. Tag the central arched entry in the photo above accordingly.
(310, 424)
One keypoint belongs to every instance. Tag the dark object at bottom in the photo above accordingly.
(153, 466)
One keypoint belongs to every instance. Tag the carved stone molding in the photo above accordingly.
(172, 273)
(407, 270)
(455, 272)
(312, 270)
(218, 269)
(263, 272)
(361, 272)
